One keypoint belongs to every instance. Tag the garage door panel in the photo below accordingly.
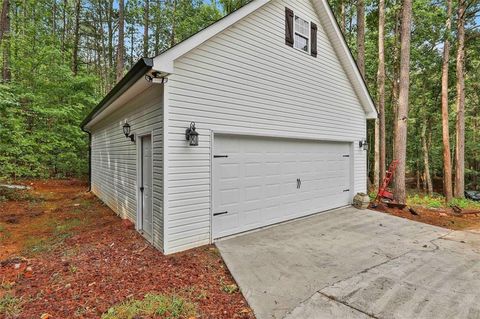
(257, 183)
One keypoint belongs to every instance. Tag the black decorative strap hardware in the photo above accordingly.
(346, 190)
(218, 214)
(220, 156)
(346, 155)
(299, 183)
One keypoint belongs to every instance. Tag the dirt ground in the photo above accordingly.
(442, 217)
(66, 255)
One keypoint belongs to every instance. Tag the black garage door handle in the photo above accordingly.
(218, 214)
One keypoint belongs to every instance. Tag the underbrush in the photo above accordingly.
(438, 201)
(166, 306)
(16, 195)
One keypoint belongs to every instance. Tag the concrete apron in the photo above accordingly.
(356, 264)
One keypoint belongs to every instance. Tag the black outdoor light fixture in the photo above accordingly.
(363, 144)
(126, 131)
(191, 135)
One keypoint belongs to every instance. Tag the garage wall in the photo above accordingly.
(114, 157)
(246, 80)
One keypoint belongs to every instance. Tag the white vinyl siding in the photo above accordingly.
(114, 157)
(245, 80)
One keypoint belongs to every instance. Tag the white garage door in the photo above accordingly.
(261, 181)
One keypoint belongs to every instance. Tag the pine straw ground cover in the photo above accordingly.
(66, 255)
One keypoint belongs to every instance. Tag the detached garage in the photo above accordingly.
(258, 119)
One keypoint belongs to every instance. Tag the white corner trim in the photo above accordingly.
(166, 219)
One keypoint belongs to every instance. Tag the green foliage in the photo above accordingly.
(230, 6)
(7, 194)
(465, 203)
(41, 113)
(426, 201)
(438, 201)
(43, 104)
(166, 306)
(428, 32)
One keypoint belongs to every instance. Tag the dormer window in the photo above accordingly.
(302, 34)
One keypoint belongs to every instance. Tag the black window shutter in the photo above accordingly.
(313, 35)
(289, 27)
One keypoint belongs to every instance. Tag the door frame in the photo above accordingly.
(213, 133)
(139, 219)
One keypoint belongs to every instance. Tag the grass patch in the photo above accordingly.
(61, 230)
(426, 201)
(4, 233)
(10, 306)
(438, 201)
(167, 306)
(68, 225)
(464, 203)
(228, 288)
(7, 194)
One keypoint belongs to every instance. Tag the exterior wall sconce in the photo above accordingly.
(126, 131)
(363, 144)
(191, 135)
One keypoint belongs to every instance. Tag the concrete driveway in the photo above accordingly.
(357, 264)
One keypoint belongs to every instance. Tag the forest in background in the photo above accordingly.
(421, 62)
(60, 57)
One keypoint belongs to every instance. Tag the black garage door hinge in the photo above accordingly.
(218, 214)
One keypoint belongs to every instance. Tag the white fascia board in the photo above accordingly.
(338, 41)
(165, 61)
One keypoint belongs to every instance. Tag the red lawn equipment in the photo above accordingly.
(383, 193)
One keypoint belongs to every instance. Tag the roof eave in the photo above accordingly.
(136, 72)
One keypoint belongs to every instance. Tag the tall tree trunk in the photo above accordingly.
(5, 40)
(396, 74)
(381, 88)
(361, 36)
(132, 44)
(146, 20)
(447, 160)
(403, 100)
(426, 161)
(64, 26)
(54, 20)
(343, 21)
(110, 48)
(460, 125)
(174, 20)
(76, 37)
(121, 40)
(158, 27)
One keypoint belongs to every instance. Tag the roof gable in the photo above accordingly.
(165, 61)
